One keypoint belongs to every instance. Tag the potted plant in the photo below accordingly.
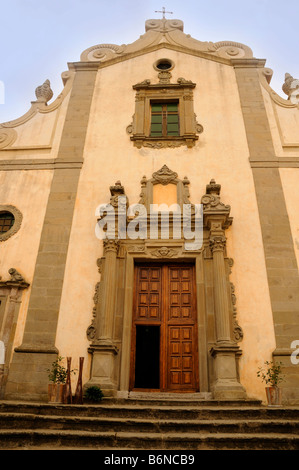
(57, 376)
(272, 375)
(93, 394)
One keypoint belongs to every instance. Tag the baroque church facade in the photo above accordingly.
(94, 264)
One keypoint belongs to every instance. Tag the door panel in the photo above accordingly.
(165, 297)
(181, 373)
(148, 286)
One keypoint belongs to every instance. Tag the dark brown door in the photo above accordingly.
(164, 334)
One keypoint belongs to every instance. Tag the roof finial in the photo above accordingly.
(163, 12)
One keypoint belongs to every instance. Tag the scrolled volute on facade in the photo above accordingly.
(214, 210)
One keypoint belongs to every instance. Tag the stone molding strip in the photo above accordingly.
(279, 162)
(39, 164)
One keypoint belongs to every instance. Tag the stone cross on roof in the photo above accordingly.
(163, 11)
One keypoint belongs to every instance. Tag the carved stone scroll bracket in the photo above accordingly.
(16, 280)
(212, 203)
(115, 214)
(91, 330)
(237, 330)
(7, 136)
(100, 265)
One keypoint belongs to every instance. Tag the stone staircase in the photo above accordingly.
(149, 424)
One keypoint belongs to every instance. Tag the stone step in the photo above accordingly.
(18, 421)
(49, 439)
(143, 425)
(147, 410)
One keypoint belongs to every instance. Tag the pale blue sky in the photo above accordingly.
(39, 37)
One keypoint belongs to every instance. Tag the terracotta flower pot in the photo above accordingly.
(56, 393)
(273, 396)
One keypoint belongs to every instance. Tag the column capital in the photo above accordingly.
(217, 243)
(110, 245)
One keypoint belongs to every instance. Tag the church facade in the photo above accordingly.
(149, 223)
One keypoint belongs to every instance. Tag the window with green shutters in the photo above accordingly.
(164, 119)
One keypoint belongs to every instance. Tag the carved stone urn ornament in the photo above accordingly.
(44, 92)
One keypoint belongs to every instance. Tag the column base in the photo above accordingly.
(226, 385)
(228, 390)
(103, 367)
(28, 374)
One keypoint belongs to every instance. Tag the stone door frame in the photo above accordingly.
(218, 329)
(147, 256)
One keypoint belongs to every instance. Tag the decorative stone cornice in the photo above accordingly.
(181, 83)
(104, 346)
(167, 32)
(16, 280)
(164, 175)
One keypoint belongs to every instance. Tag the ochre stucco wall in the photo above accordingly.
(221, 153)
(28, 191)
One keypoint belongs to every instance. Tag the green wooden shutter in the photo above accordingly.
(172, 119)
(164, 119)
(156, 120)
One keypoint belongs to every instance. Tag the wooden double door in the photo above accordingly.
(164, 354)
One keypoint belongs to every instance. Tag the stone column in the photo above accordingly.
(104, 324)
(224, 351)
(217, 245)
(216, 218)
(103, 348)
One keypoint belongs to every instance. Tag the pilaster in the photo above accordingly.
(225, 350)
(28, 371)
(279, 250)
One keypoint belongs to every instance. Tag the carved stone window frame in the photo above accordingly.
(164, 176)
(17, 223)
(146, 93)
